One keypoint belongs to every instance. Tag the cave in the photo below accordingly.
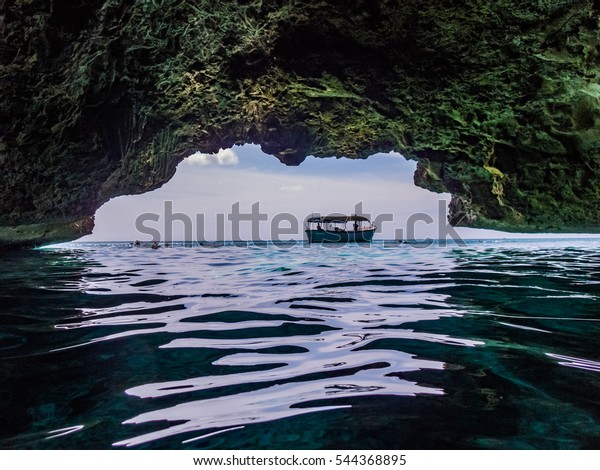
(498, 103)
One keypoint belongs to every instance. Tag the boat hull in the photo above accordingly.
(326, 236)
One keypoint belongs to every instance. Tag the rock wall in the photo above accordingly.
(499, 102)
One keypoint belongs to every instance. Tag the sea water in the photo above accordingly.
(492, 345)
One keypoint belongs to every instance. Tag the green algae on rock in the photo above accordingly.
(498, 102)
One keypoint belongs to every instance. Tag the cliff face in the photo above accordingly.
(499, 102)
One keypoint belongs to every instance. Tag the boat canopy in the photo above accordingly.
(336, 219)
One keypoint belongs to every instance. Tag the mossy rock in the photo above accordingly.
(102, 98)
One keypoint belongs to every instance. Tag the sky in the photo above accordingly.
(201, 200)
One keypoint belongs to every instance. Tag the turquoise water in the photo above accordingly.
(494, 345)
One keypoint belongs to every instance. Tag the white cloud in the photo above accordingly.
(294, 188)
(222, 157)
(395, 155)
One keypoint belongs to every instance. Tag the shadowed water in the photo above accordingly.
(492, 345)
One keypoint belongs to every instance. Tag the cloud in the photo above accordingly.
(222, 157)
(297, 187)
(395, 155)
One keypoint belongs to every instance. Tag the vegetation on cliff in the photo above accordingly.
(499, 102)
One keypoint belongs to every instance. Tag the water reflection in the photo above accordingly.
(195, 345)
(331, 332)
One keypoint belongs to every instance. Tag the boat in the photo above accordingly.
(333, 229)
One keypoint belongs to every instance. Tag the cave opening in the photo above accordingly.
(207, 191)
(202, 199)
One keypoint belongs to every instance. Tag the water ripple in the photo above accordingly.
(200, 344)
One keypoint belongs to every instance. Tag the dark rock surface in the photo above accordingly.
(499, 102)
